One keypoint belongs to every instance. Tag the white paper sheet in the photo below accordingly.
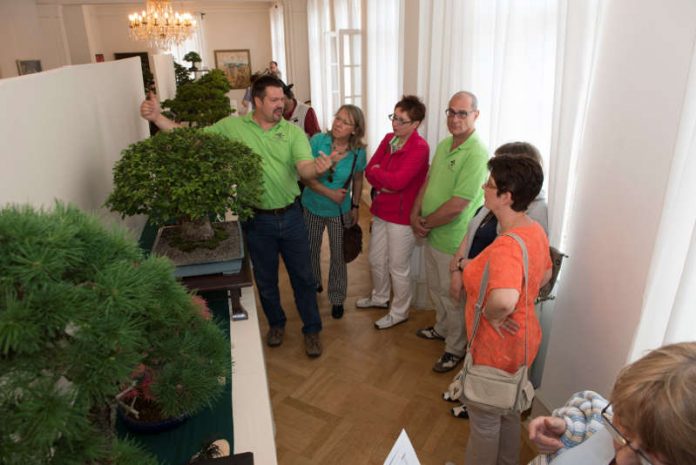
(402, 453)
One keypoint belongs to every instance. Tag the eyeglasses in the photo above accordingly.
(621, 440)
(398, 120)
(462, 114)
(489, 184)
(343, 121)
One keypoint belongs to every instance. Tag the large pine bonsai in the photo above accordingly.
(80, 311)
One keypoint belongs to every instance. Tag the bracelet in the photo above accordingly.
(356, 206)
(459, 264)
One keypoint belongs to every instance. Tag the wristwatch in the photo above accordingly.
(354, 205)
(459, 264)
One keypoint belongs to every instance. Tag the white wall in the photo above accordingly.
(19, 35)
(239, 26)
(297, 48)
(63, 130)
(55, 51)
(633, 115)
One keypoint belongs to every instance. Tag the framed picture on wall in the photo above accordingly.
(236, 64)
(28, 66)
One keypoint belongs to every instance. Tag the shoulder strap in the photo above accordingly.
(484, 285)
(347, 183)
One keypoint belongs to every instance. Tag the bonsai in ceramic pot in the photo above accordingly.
(81, 310)
(187, 176)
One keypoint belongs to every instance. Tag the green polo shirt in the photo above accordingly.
(280, 148)
(459, 172)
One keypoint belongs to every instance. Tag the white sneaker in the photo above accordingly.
(367, 302)
(387, 321)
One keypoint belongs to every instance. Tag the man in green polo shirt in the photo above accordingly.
(278, 226)
(443, 208)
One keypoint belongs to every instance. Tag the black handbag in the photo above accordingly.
(352, 235)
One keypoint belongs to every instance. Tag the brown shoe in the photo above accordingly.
(274, 338)
(312, 344)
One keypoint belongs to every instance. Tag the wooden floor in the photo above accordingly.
(349, 405)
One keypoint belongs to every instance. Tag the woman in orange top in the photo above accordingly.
(513, 183)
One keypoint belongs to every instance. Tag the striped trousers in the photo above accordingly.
(338, 272)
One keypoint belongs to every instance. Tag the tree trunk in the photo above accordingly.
(200, 230)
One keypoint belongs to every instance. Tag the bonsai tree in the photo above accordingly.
(181, 74)
(193, 58)
(201, 102)
(186, 175)
(81, 311)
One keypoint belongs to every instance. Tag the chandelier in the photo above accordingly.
(160, 25)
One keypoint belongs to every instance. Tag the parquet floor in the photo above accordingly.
(349, 405)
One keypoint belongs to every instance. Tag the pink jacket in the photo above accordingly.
(401, 174)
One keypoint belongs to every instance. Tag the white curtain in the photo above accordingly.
(503, 51)
(579, 23)
(668, 311)
(324, 19)
(384, 64)
(195, 43)
(278, 38)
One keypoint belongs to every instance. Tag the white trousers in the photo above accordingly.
(449, 316)
(391, 246)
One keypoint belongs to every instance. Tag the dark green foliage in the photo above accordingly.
(181, 74)
(201, 102)
(186, 175)
(192, 57)
(80, 310)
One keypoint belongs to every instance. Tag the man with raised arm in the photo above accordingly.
(277, 227)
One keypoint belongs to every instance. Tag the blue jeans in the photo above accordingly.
(268, 236)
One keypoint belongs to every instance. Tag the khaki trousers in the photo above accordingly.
(493, 439)
(449, 315)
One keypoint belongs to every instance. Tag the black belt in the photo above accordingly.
(274, 211)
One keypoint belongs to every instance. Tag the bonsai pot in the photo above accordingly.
(151, 421)
(225, 258)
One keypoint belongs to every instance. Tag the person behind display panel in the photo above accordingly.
(248, 101)
(651, 419)
(300, 114)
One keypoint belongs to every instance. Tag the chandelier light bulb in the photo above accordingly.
(160, 25)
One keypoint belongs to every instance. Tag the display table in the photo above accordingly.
(251, 402)
(177, 446)
(232, 283)
(252, 420)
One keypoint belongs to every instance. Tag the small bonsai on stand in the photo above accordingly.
(193, 58)
(81, 310)
(188, 176)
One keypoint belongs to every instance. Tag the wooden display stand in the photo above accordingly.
(232, 283)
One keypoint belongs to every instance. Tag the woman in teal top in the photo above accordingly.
(326, 200)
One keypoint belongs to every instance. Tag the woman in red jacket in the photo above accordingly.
(396, 171)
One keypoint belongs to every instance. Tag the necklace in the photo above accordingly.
(339, 149)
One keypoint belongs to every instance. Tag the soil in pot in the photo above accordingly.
(150, 419)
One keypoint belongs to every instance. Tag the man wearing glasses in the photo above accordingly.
(441, 213)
